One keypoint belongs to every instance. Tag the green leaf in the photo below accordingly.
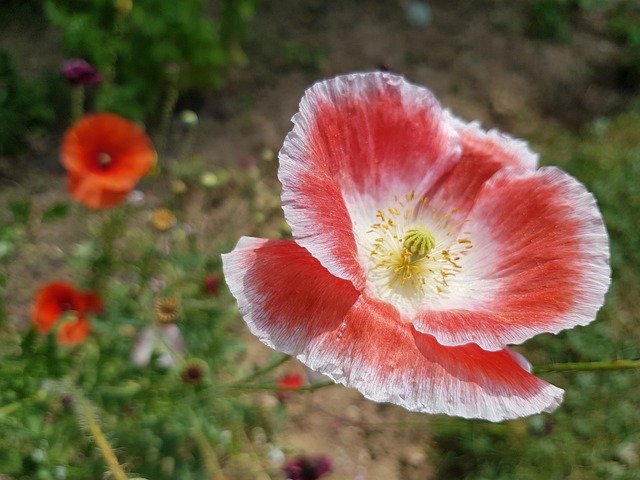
(6, 247)
(21, 210)
(58, 210)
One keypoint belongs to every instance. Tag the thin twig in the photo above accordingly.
(262, 371)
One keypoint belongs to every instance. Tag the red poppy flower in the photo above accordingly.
(422, 246)
(57, 299)
(73, 331)
(105, 156)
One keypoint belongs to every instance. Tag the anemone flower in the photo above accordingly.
(422, 246)
(105, 155)
(61, 302)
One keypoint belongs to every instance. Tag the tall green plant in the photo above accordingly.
(150, 50)
(22, 108)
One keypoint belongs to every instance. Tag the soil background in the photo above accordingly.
(474, 55)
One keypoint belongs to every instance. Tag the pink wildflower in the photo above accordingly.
(422, 245)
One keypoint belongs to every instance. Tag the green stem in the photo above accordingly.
(602, 365)
(165, 116)
(77, 102)
(105, 259)
(187, 142)
(270, 387)
(262, 371)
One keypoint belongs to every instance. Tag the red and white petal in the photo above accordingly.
(295, 305)
(493, 145)
(540, 262)
(286, 297)
(389, 361)
(483, 154)
(358, 141)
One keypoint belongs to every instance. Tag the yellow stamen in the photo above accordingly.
(410, 261)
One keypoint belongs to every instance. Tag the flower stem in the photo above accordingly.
(77, 102)
(168, 106)
(271, 387)
(104, 261)
(103, 444)
(262, 371)
(588, 366)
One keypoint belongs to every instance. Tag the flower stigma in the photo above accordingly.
(419, 241)
(415, 251)
(104, 160)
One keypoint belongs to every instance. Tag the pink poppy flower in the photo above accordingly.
(422, 246)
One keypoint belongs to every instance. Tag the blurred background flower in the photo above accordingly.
(80, 72)
(307, 468)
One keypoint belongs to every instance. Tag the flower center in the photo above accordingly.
(66, 305)
(410, 261)
(104, 160)
(167, 309)
(419, 241)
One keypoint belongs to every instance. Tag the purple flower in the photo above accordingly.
(307, 468)
(79, 72)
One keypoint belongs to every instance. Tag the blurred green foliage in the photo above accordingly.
(23, 108)
(149, 50)
(624, 26)
(595, 432)
(550, 19)
(163, 426)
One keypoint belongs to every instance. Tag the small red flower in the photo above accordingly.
(105, 155)
(211, 284)
(288, 383)
(291, 381)
(57, 299)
